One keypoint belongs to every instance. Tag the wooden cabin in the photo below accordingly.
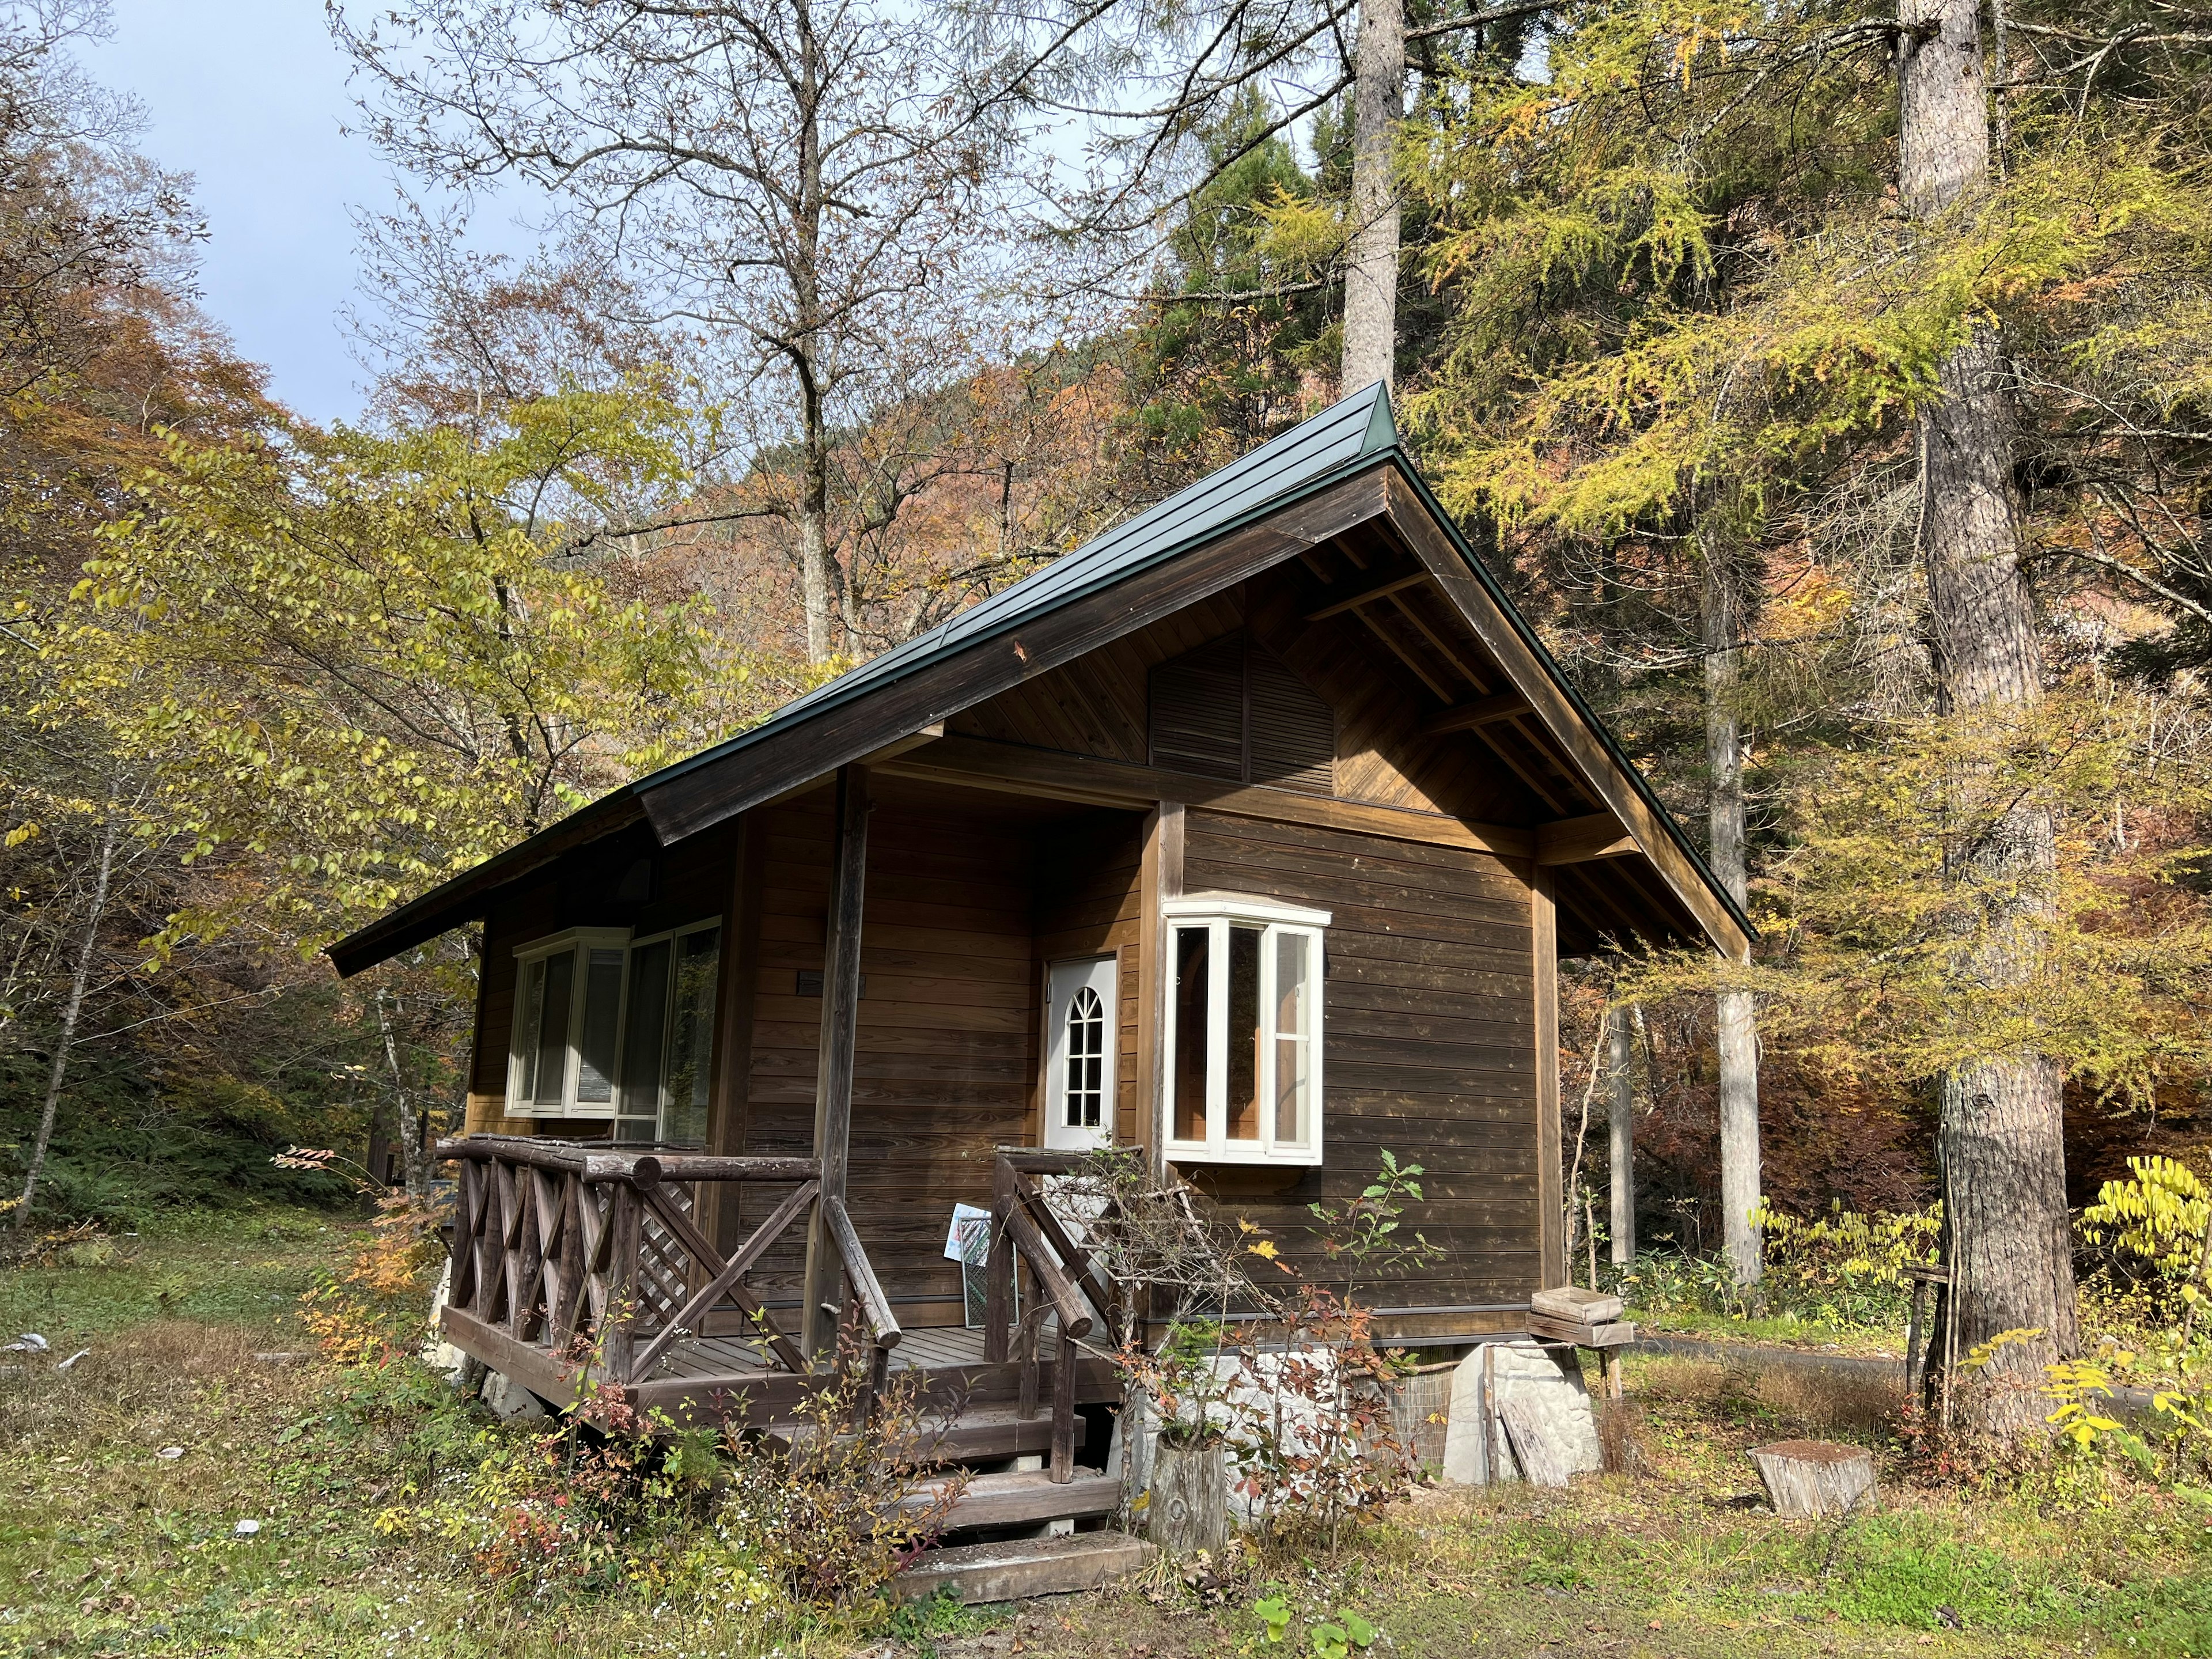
(1249, 835)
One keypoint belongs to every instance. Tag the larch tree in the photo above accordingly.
(2002, 1140)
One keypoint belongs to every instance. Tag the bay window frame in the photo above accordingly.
(578, 944)
(1219, 914)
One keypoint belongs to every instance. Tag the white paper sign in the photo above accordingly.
(956, 1241)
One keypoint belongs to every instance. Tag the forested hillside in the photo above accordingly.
(1701, 334)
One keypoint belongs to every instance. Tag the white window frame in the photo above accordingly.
(620, 1112)
(1217, 912)
(578, 942)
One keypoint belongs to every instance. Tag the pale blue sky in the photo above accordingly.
(250, 97)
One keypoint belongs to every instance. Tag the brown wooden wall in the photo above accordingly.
(1429, 1044)
(691, 882)
(946, 1031)
(1088, 905)
(1095, 705)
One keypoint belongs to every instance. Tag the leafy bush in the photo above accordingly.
(1845, 1269)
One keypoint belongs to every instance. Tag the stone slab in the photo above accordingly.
(1023, 1567)
(1552, 1402)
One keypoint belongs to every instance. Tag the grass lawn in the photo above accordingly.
(108, 1547)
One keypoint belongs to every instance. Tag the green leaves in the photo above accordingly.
(366, 662)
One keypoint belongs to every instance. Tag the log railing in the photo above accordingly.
(1027, 1239)
(595, 1254)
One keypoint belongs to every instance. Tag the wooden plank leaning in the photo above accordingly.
(874, 1304)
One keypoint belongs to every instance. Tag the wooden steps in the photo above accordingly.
(1023, 1567)
(1023, 1498)
(980, 1434)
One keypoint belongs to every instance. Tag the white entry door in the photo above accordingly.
(1080, 1033)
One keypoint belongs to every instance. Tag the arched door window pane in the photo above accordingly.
(1085, 1091)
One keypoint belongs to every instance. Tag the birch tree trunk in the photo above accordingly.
(1371, 281)
(2001, 1143)
(414, 1166)
(1620, 1158)
(1737, 1032)
(88, 950)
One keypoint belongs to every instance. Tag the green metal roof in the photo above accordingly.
(1342, 439)
(1350, 436)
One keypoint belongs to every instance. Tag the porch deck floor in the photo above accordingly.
(921, 1347)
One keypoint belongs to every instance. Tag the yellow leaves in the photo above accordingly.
(1265, 1249)
(22, 832)
(2161, 1214)
(369, 662)
(1302, 234)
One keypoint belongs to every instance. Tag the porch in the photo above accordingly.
(582, 1272)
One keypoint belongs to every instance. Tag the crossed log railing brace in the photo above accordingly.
(576, 1251)
(1025, 1235)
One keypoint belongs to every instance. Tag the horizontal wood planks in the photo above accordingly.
(1096, 704)
(946, 1031)
(1430, 1028)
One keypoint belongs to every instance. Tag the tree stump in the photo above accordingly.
(1806, 1478)
(1188, 1509)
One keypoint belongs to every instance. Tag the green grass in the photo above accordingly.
(106, 1547)
(246, 1271)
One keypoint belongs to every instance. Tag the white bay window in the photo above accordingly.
(611, 1028)
(1243, 1029)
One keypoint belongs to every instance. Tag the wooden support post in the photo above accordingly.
(1552, 1268)
(1063, 1410)
(833, 1084)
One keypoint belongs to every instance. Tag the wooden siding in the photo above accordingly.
(1430, 1045)
(1097, 704)
(946, 1037)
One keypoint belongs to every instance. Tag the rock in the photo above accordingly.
(1806, 1478)
(436, 1352)
(170, 1454)
(1552, 1402)
(245, 1529)
(510, 1400)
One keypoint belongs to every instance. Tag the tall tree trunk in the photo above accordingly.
(1737, 1032)
(88, 950)
(1371, 281)
(1620, 1160)
(819, 577)
(2001, 1142)
(413, 1164)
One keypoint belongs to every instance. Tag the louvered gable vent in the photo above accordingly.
(1230, 710)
